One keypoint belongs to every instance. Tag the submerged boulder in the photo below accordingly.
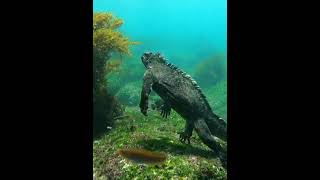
(129, 94)
(217, 98)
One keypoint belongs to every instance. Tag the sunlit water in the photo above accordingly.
(185, 31)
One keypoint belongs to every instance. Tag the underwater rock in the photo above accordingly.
(211, 70)
(129, 94)
(106, 107)
(217, 98)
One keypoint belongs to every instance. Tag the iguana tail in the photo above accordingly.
(217, 126)
(206, 137)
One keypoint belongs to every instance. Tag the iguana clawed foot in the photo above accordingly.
(165, 111)
(183, 137)
(144, 110)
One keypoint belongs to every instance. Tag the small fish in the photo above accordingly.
(142, 156)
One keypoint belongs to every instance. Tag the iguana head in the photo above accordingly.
(149, 59)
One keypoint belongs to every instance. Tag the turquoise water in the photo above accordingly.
(185, 31)
(192, 35)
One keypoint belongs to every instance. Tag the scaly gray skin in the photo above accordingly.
(181, 93)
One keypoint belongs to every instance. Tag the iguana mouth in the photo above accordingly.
(145, 58)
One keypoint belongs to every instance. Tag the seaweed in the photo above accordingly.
(195, 161)
(211, 71)
(106, 40)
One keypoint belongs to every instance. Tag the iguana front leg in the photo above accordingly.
(186, 135)
(146, 90)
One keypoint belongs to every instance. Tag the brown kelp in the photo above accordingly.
(106, 40)
(143, 156)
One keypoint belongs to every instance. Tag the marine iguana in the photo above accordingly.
(181, 93)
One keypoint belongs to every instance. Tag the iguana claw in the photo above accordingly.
(183, 137)
(165, 110)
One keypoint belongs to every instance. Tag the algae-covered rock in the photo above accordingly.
(129, 94)
(217, 98)
(126, 74)
(195, 161)
(211, 71)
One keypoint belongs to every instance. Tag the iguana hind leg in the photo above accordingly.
(217, 126)
(186, 135)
